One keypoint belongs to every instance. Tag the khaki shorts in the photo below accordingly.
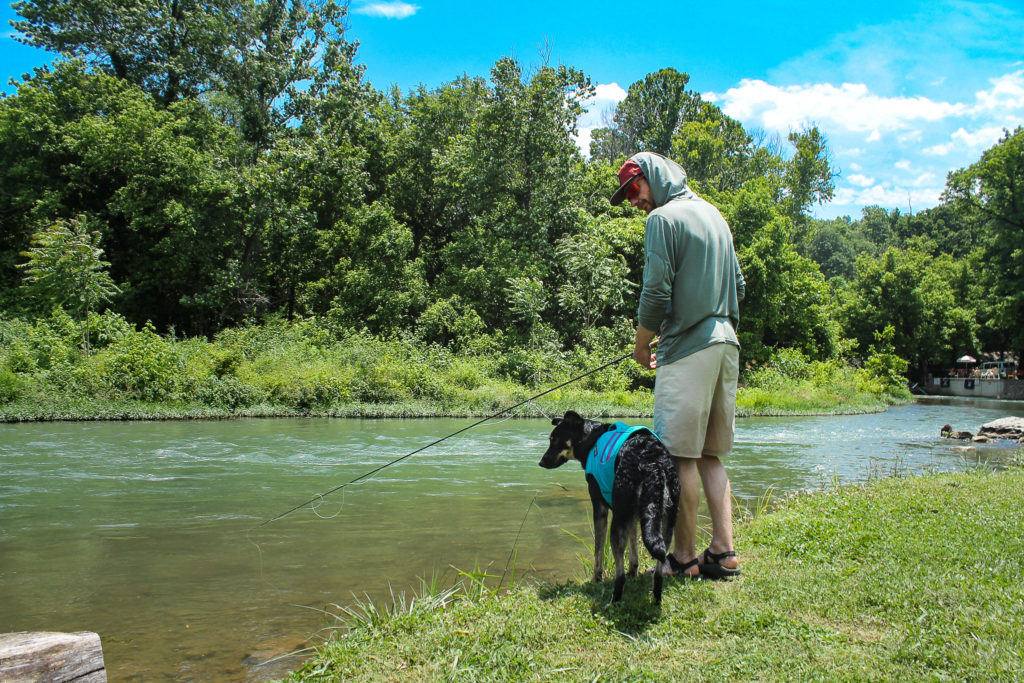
(695, 402)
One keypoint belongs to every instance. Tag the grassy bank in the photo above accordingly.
(900, 579)
(309, 368)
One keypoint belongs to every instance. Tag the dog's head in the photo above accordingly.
(567, 433)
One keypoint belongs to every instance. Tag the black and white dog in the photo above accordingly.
(640, 484)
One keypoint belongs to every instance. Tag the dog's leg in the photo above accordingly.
(620, 538)
(634, 556)
(659, 579)
(600, 527)
(600, 533)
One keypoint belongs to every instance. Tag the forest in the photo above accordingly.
(222, 172)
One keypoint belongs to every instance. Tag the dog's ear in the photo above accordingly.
(573, 418)
(556, 421)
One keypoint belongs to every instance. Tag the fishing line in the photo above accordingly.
(366, 475)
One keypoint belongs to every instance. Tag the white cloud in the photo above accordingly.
(903, 164)
(599, 110)
(874, 137)
(982, 138)
(1007, 93)
(388, 10)
(861, 180)
(583, 138)
(609, 91)
(849, 107)
(967, 141)
(938, 150)
(887, 195)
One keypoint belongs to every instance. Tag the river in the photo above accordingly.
(155, 534)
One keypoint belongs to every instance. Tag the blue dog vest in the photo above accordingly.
(601, 460)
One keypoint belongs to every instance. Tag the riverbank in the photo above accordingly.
(305, 370)
(797, 400)
(903, 578)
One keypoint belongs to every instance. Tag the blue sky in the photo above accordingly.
(904, 91)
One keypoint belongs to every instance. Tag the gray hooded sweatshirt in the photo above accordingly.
(692, 280)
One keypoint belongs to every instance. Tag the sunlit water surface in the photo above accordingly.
(150, 534)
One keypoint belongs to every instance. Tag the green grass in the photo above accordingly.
(305, 368)
(900, 579)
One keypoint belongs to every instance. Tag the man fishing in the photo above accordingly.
(692, 287)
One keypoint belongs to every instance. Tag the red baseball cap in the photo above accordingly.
(629, 170)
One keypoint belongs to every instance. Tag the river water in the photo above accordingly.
(155, 534)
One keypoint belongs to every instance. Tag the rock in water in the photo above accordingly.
(1004, 428)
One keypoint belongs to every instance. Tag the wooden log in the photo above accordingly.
(51, 657)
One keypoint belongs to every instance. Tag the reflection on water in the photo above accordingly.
(144, 532)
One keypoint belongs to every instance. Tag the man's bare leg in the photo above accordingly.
(684, 547)
(718, 493)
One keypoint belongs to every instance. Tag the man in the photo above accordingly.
(690, 299)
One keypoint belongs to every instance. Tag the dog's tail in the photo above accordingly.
(655, 495)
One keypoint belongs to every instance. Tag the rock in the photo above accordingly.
(981, 438)
(1004, 428)
(962, 435)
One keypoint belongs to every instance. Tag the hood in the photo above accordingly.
(666, 177)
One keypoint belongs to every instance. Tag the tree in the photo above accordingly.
(648, 117)
(260, 53)
(714, 149)
(513, 185)
(160, 184)
(808, 176)
(64, 268)
(923, 297)
(831, 245)
(595, 276)
(787, 303)
(170, 48)
(280, 59)
(992, 190)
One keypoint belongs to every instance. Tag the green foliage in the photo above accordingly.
(141, 366)
(648, 117)
(926, 300)
(990, 193)
(238, 170)
(594, 285)
(64, 269)
(808, 175)
(787, 302)
(883, 365)
(451, 323)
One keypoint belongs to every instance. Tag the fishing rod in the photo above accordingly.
(321, 496)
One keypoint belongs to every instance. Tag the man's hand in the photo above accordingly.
(643, 352)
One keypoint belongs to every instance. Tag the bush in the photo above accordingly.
(885, 367)
(11, 384)
(228, 392)
(141, 365)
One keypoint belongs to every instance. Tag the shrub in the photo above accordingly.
(142, 365)
(11, 384)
